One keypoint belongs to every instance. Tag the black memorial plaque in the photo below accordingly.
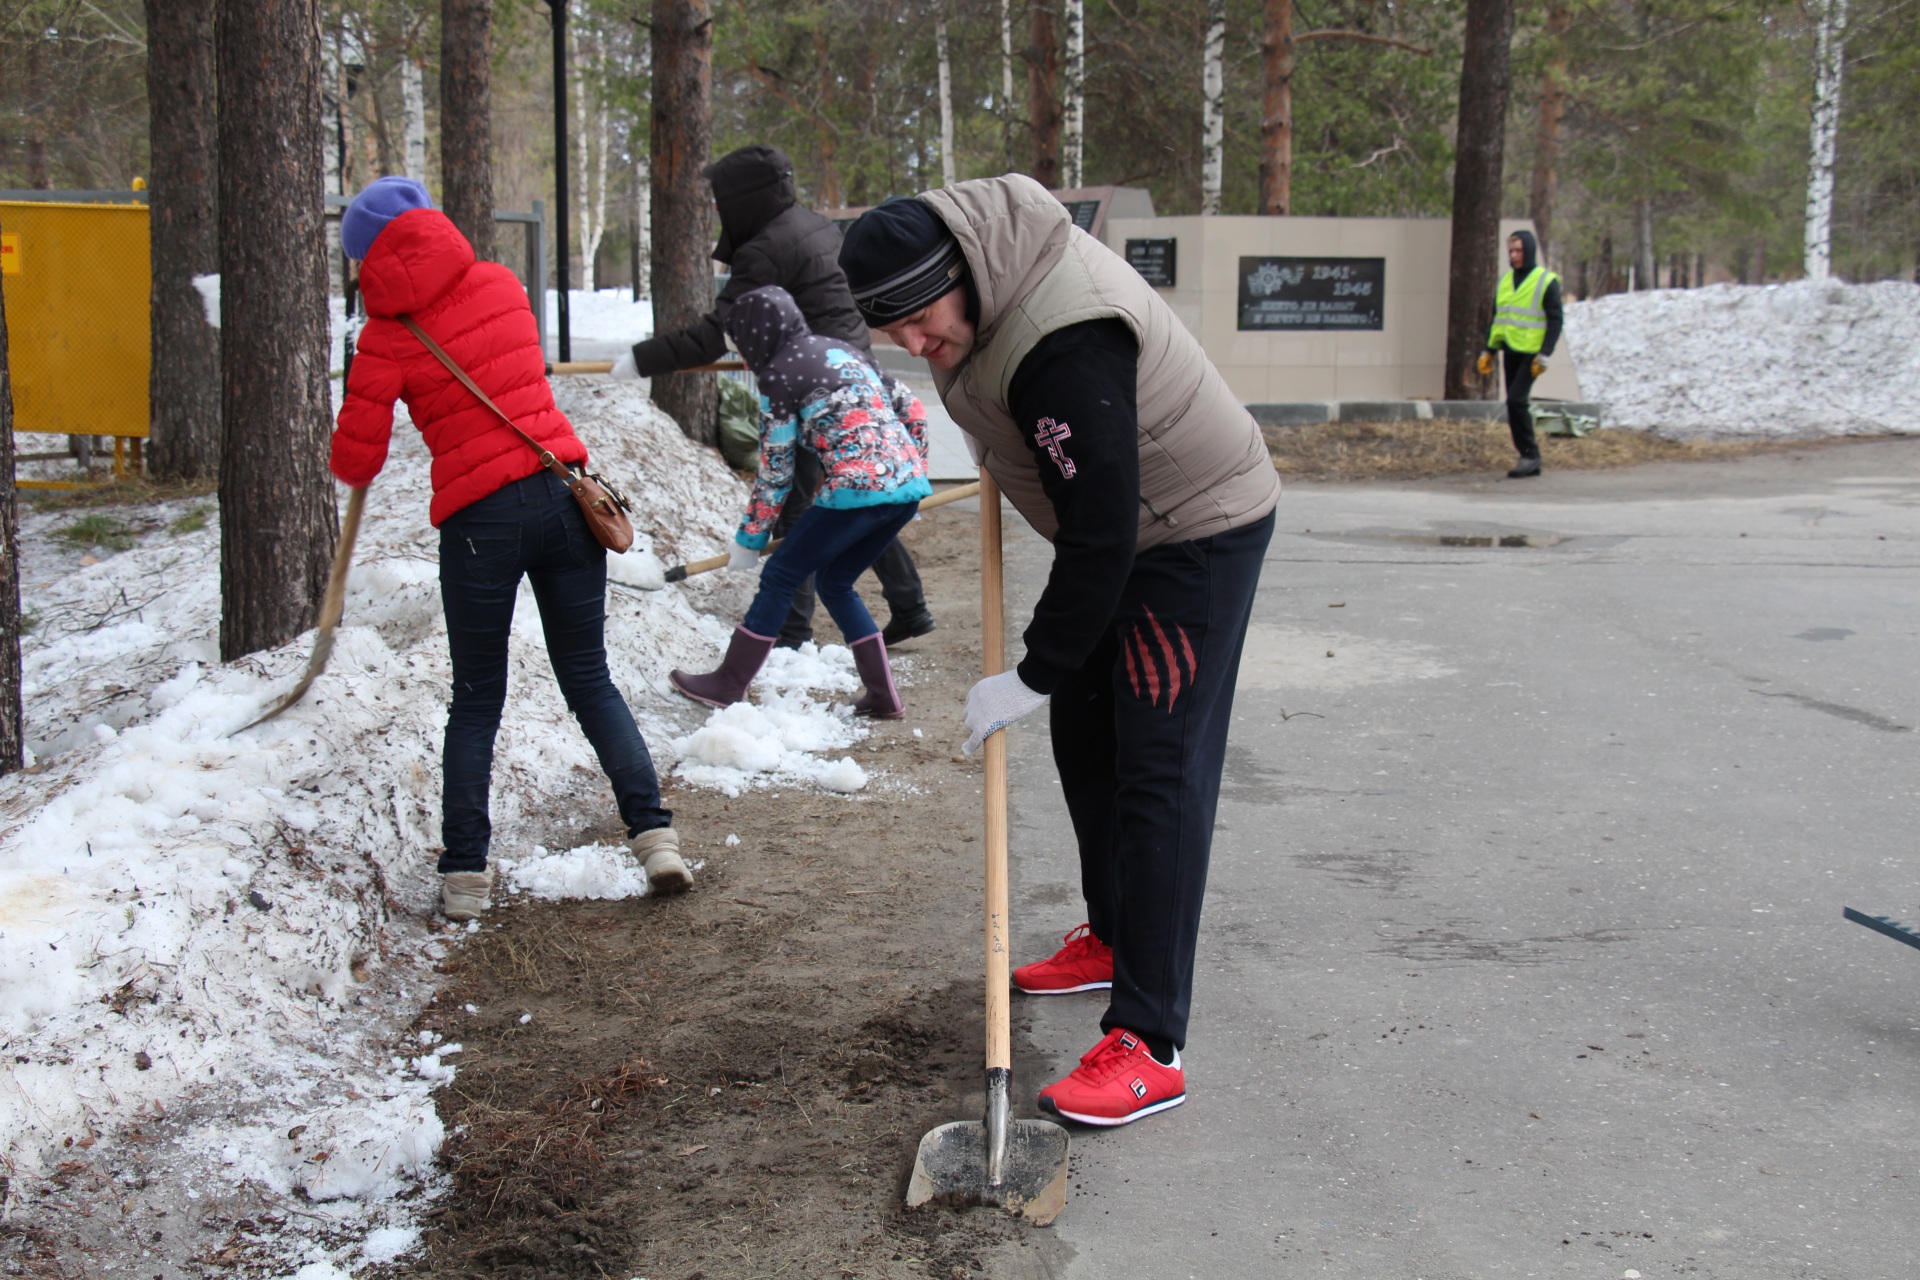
(1083, 213)
(1154, 260)
(1281, 294)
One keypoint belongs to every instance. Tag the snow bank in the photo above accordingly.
(1801, 359)
(225, 930)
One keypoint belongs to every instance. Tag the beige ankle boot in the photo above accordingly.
(463, 894)
(659, 852)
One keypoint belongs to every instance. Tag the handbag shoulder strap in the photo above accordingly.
(546, 456)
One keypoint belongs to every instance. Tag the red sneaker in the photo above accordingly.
(1117, 1082)
(1084, 964)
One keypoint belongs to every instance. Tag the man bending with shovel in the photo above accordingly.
(1103, 421)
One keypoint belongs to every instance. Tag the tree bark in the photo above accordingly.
(278, 523)
(1644, 274)
(184, 228)
(1074, 122)
(1829, 62)
(947, 172)
(1213, 113)
(1043, 94)
(12, 739)
(466, 121)
(1553, 103)
(1486, 79)
(682, 205)
(1276, 112)
(1006, 85)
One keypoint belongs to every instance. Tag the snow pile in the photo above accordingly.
(220, 932)
(1801, 359)
(605, 872)
(747, 745)
(601, 315)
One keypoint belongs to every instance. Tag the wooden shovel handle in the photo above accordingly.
(993, 655)
(681, 572)
(606, 366)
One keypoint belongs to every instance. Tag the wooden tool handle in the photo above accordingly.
(681, 572)
(993, 655)
(333, 604)
(606, 366)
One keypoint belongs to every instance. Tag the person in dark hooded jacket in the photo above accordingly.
(1526, 328)
(768, 238)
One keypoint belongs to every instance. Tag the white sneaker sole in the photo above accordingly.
(1109, 1122)
(668, 873)
(1064, 991)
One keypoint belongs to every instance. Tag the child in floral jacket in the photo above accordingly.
(870, 435)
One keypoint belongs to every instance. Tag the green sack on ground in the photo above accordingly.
(739, 425)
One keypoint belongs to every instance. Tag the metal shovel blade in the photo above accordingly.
(951, 1169)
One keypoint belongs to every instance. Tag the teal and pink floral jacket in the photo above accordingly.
(868, 430)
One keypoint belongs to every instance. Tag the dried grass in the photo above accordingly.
(544, 1159)
(1351, 451)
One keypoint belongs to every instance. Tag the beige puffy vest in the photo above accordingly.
(1204, 467)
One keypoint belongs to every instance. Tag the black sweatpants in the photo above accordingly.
(1140, 738)
(1519, 369)
(899, 579)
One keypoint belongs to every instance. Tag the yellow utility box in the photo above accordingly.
(78, 285)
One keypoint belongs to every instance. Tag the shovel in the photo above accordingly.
(330, 609)
(1016, 1165)
(681, 572)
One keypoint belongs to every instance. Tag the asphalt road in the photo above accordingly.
(1523, 953)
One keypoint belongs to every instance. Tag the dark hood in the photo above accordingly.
(751, 187)
(417, 258)
(1529, 253)
(762, 321)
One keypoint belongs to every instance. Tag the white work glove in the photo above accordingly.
(995, 703)
(623, 370)
(739, 557)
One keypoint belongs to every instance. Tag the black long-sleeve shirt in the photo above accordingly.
(1073, 399)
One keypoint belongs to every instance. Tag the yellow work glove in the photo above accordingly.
(1485, 366)
(1539, 365)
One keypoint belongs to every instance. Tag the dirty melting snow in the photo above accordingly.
(1809, 358)
(215, 935)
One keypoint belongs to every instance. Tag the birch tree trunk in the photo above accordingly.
(1074, 132)
(1213, 116)
(1043, 95)
(12, 739)
(1276, 112)
(413, 101)
(466, 121)
(682, 204)
(1006, 84)
(278, 524)
(184, 385)
(1829, 62)
(1473, 269)
(1553, 102)
(947, 172)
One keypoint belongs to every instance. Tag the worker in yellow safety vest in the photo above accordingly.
(1526, 327)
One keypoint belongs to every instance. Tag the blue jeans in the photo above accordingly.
(835, 545)
(532, 527)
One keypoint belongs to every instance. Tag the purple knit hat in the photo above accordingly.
(371, 210)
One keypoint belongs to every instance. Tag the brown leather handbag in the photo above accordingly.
(604, 506)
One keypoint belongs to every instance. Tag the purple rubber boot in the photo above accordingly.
(881, 700)
(723, 687)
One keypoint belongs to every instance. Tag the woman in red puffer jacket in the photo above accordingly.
(500, 513)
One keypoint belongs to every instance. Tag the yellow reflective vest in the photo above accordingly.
(1520, 312)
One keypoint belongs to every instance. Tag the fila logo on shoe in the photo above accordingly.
(1139, 1087)
(1127, 1041)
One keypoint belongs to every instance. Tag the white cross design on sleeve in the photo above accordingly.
(1050, 433)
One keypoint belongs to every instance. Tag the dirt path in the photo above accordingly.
(732, 1084)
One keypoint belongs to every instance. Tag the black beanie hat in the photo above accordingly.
(899, 257)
